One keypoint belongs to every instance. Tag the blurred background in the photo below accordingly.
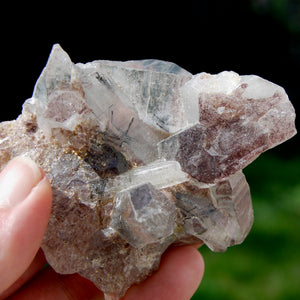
(259, 37)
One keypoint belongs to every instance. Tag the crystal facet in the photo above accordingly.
(142, 155)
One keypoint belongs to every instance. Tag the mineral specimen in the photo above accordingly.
(142, 155)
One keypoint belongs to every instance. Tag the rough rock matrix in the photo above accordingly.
(142, 155)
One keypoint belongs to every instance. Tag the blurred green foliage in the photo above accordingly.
(267, 264)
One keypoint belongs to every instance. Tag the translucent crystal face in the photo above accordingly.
(141, 155)
(143, 215)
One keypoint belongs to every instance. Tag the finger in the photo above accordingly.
(25, 205)
(38, 262)
(178, 277)
(198, 245)
(49, 285)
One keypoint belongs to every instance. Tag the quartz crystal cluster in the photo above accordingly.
(142, 155)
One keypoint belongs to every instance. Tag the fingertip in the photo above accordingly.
(180, 273)
(30, 220)
(17, 179)
(23, 223)
(39, 200)
(188, 268)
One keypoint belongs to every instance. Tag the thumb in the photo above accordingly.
(25, 205)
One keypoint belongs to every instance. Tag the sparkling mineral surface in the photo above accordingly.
(142, 155)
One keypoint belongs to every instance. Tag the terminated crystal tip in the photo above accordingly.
(142, 155)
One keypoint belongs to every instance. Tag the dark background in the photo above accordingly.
(249, 37)
(259, 37)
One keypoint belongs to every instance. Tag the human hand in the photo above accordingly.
(25, 205)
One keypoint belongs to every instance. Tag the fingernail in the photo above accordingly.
(17, 180)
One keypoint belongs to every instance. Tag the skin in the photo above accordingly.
(25, 206)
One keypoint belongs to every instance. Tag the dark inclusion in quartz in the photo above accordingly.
(142, 155)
